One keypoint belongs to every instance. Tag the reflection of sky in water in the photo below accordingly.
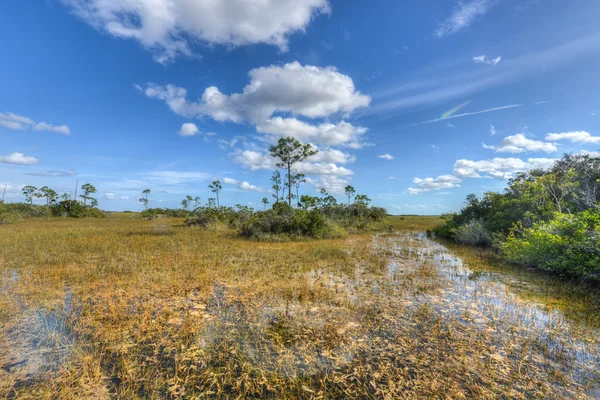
(482, 300)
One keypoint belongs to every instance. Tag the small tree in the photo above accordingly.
(65, 196)
(29, 192)
(144, 200)
(185, 204)
(216, 187)
(265, 201)
(93, 202)
(277, 185)
(196, 201)
(362, 199)
(297, 180)
(290, 151)
(49, 194)
(211, 202)
(349, 190)
(87, 190)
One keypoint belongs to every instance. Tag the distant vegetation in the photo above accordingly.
(56, 206)
(549, 219)
(292, 215)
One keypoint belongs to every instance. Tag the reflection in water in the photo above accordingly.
(483, 300)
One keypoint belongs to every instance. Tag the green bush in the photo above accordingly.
(473, 233)
(567, 244)
(284, 223)
(74, 209)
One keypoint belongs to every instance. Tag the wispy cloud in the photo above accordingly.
(458, 81)
(467, 114)
(465, 12)
(485, 60)
(386, 156)
(19, 123)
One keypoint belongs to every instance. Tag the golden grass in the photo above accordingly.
(128, 308)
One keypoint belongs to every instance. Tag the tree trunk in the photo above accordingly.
(290, 184)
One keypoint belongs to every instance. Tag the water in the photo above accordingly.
(494, 303)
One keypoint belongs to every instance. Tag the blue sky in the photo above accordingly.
(415, 106)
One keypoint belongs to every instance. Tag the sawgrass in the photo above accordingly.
(128, 308)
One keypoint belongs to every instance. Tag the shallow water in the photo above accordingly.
(484, 299)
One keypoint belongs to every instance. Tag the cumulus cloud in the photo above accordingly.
(498, 168)
(20, 123)
(18, 159)
(230, 181)
(386, 156)
(169, 27)
(485, 60)
(256, 161)
(251, 188)
(575, 137)
(519, 144)
(465, 12)
(189, 129)
(300, 90)
(429, 184)
(332, 156)
(333, 184)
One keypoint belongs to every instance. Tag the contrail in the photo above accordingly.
(467, 114)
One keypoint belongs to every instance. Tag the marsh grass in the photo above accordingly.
(128, 308)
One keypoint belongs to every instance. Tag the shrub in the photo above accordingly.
(283, 223)
(567, 244)
(74, 209)
(473, 233)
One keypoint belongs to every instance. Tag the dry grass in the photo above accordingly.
(126, 308)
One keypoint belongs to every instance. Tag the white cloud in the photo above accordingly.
(189, 129)
(18, 159)
(429, 184)
(53, 173)
(20, 123)
(386, 156)
(323, 169)
(333, 184)
(465, 12)
(307, 91)
(594, 154)
(332, 156)
(492, 130)
(498, 168)
(230, 181)
(112, 196)
(575, 137)
(454, 82)
(251, 188)
(468, 114)
(224, 144)
(485, 60)
(168, 28)
(519, 144)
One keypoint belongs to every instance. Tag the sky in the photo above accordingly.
(415, 106)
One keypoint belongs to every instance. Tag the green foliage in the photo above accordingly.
(290, 151)
(545, 218)
(75, 209)
(568, 244)
(13, 212)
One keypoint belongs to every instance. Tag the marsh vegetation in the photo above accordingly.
(123, 307)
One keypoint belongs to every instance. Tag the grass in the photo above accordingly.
(128, 308)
